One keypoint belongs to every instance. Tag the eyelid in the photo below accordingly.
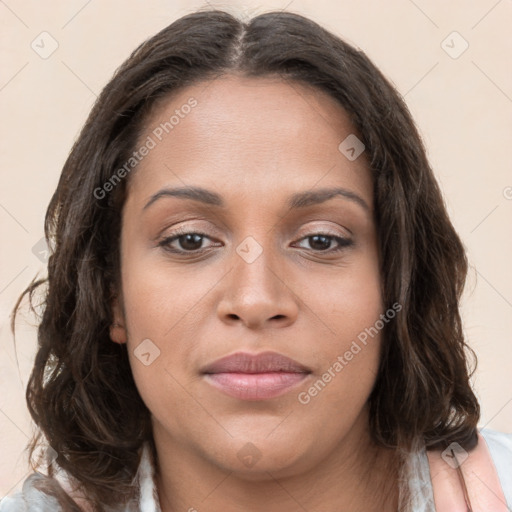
(303, 232)
(320, 228)
(183, 227)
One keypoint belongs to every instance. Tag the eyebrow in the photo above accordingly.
(295, 201)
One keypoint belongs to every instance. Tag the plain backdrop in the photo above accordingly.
(450, 60)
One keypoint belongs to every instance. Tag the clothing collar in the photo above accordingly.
(148, 495)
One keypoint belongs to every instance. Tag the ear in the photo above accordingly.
(118, 327)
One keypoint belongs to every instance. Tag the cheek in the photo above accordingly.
(349, 304)
(350, 356)
(349, 341)
(156, 345)
(158, 299)
(162, 307)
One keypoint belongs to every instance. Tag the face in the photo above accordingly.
(262, 260)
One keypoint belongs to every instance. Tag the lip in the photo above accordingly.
(255, 376)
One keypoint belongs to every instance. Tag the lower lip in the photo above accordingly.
(255, 386)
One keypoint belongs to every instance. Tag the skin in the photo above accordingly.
(255, 142)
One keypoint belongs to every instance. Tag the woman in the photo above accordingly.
(253, 291)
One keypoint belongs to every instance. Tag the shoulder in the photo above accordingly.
(31, 498)
(500, 448)
(497, 440)
(41, 493)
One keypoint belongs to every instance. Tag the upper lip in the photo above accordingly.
(264, 362)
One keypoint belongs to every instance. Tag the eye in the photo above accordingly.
(321, 242)
(190, 242)
(183, 242)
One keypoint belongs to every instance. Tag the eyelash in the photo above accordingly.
(165, 243)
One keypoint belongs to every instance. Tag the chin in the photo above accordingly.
(253, 461)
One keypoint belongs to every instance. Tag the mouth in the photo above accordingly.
(255, 377)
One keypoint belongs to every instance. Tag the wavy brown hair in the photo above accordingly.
(81, 393)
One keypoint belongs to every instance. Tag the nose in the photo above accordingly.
(258, 294)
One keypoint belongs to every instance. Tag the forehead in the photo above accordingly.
(249, 132)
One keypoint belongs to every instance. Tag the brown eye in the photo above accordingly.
(321, 242)
(190, 242)
(186, 242)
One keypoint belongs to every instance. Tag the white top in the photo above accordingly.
(29, 499)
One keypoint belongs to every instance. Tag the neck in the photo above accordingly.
(356, 476)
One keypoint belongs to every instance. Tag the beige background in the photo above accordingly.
(463, 107)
